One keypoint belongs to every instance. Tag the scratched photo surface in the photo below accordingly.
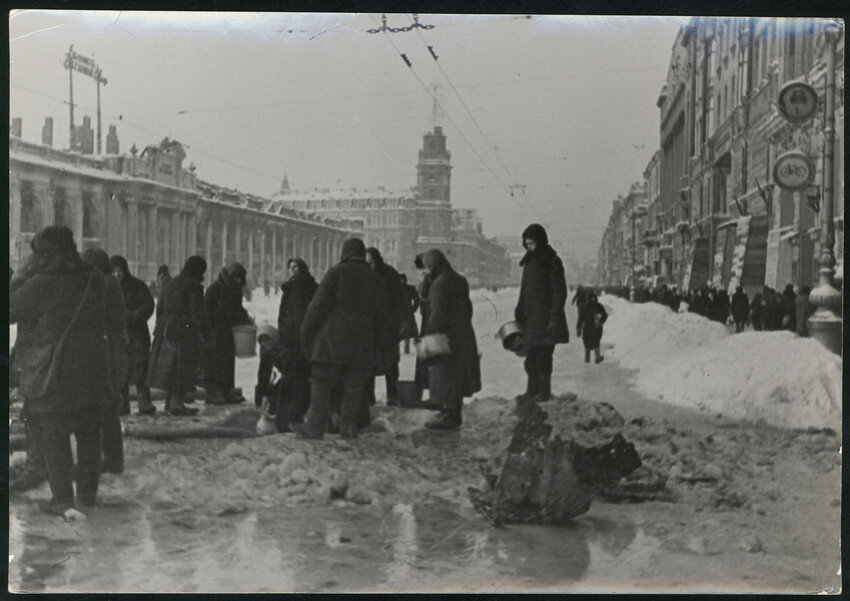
(613, 364)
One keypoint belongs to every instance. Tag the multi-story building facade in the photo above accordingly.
(722, 219)
(408, 222)
(152, 210)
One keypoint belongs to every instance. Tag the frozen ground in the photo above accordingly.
(750, 507)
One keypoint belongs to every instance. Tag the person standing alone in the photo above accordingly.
(540, 310)
(593, 315)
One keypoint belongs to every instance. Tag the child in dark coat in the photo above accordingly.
(589, 326)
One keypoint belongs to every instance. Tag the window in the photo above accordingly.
(32, 217)
(91, 217)
(62, 210)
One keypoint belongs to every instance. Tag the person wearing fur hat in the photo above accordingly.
(139, 305)
(115, 322)
(540, 310)
(341, 334)
(223, 303)
(182, 330)
(59, 305)
(294, 397)
(458, 374)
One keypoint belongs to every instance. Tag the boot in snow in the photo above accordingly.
(544, 389)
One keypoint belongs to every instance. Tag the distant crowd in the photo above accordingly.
(768, 310)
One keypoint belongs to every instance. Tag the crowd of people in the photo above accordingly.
(83, 338)
(768, 310)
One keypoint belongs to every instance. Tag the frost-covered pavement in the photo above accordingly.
(750, 506)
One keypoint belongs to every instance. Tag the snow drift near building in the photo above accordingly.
(687, 360)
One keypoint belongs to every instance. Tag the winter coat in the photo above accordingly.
(223, 305)
(298, 291)
(757, 310)
(181, 317)
(139, 305)
(740, 306)
(345, 319)
(412, 303)
(542, 296)
(450, 313)
(43, 303)
(590, 320)
(117, 338)
(803, 309)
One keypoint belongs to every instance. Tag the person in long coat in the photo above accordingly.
(412, 301)
(341, 334)
(182, 331)
(740, 309)
(223, 304)
(115, 323)
(394, 317)
(457, 375)
(803, 310)
(140, 306)
(540, 310)
(590, 321)
(59, 304)
(757, 310)
(163, 276)
(294, 398)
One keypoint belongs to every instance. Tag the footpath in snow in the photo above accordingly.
(687, 360)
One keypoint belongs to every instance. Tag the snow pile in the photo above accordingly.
(688, 360)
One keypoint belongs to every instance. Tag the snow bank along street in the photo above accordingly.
(685, 359)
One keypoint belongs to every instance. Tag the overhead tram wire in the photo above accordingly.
(478, 127)
(459, 131)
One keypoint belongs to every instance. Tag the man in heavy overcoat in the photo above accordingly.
(540, 310)
(341, 335)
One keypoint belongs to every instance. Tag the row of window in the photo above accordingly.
(33, 219)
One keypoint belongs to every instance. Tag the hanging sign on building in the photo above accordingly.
(797, 101)
(793, 170)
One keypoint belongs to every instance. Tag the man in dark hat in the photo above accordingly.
(223, 304)
(139, 306)
(341, 334)
(540, 310)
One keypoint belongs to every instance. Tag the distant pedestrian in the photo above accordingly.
(162, 278)
(757, 310)
(139, 305)
(740, 308)
(182, 331)
(589, 326)
(59, 305)
(540, 310)
(267, 286)
(341, 335)
(115, 324)
(223, 304)
(789, 312)
(458, 374)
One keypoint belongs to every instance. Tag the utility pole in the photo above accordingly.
(71, 92)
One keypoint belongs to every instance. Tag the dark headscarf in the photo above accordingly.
(302, 265)
(97, 258)
(237, 271)
(121, 263)
(434, 260)
(195, 267)
(536, 232)
(162, 269)
(353, 248)
(417, 262)
(376, 256)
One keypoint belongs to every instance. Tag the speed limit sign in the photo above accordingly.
(793, 170)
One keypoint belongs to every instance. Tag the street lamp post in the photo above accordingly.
(825, 324)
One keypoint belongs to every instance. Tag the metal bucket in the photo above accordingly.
(409, 394)
(432, 345)
(245, 340)
(511, 336)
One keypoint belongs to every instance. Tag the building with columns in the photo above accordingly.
(153, 211)
(404, 223)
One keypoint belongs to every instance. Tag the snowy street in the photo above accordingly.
(750, 467)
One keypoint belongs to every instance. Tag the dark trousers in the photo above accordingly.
(327, 377)
(112, 440)
(293, 394)
(137, 372)
(538, 362)
(445, 384)
(392, 386)
(51, 434)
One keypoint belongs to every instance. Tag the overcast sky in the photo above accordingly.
(564, 106)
